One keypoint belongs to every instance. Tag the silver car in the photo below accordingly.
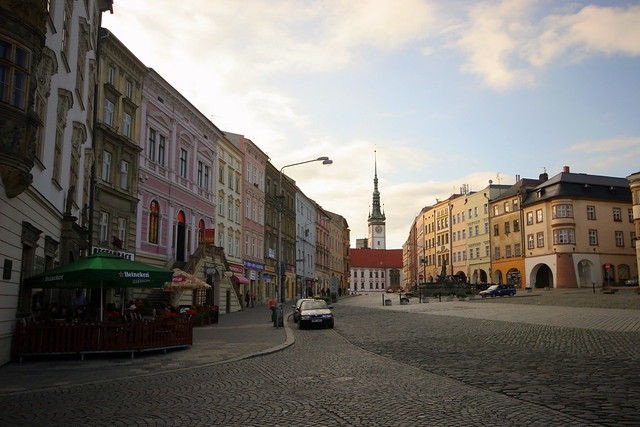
(315, 313)
(296, 308)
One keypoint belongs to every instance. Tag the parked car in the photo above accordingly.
(296, 308)
(498, 291)
(315, 313)
(632, 282)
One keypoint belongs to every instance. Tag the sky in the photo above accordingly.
(441, 93)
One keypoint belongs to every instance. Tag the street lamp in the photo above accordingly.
(423, 261)
(304, 260)
(325, 161)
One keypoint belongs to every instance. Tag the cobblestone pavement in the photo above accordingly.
(394, 366)
(536, 354)
(322, 380)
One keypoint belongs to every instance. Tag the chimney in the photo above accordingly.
(566, 169)
(517, 178)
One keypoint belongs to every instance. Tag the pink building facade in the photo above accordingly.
(177, 169)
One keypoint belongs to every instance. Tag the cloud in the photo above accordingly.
(506, 47)
(592, 30)
(605, 145)
(491, 39)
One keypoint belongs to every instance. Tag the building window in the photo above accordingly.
(507, 251)
(201, 231)
(530, 241)
(14, 74)
(507, 207)
(154, 221)
(200, 177)
(151, 145)
(221, 173)
(593, 237)
(221, 204)
(124, 175)
(161, 149)
(529, 218)
(515, 204)
(122, 231)
(104, 227)
(128, 89)
(539, 215)
(496, 229)
(205, 182)
(540, 238)
(517, 250)
(564, 236)
(183, 163)
(516, 225)
(109, 109)
(507, 228)
(617, 214)
(126, 125)
(66, 29)
(496, 210)
(591, 212)
(630, 213)
(111, 75)
(562, 211)
(619, 239)
(230, 208)
(633, 239)
(106, 166)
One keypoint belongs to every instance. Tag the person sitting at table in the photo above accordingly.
(161, 310)
(64, 314)
(50, 312)
(81, 314)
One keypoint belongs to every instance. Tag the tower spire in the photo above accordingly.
(376, 214)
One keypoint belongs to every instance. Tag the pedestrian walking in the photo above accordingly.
(252, 299)
(247, 299)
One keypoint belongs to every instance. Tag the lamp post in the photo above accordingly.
(424, 271)
(325, 161)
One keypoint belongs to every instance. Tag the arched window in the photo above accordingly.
(181, 217)
(154, 221)
(201, 231)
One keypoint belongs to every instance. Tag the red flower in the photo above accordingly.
(170, 316)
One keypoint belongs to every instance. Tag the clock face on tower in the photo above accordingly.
(378, 229)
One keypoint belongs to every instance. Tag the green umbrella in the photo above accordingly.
(102, 270)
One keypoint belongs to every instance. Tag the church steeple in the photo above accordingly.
(376, 214)
(377, 226)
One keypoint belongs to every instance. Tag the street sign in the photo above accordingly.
(607, 266)
(420, 276)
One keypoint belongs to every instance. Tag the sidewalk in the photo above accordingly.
(236, 336)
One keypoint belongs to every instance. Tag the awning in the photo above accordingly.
(241, 279)
(183, 281)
